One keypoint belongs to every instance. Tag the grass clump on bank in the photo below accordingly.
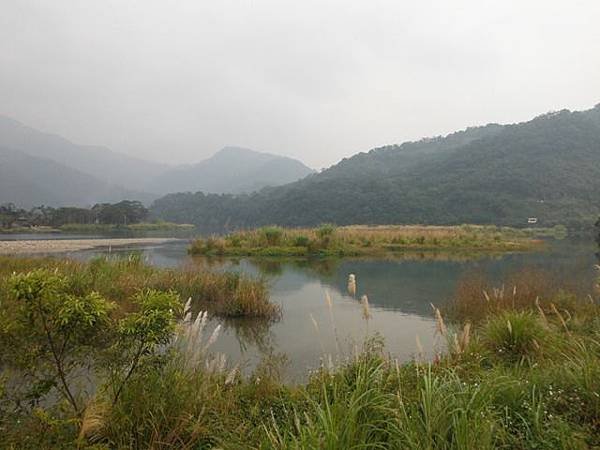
(522, 375)
(119, 279)
(328, 240)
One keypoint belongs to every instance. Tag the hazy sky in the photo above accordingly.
(318, 80)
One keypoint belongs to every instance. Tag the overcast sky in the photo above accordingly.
(318, 80)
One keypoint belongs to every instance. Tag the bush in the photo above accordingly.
(301, 241)
(325, 231)
(514, 336)
(272, 235)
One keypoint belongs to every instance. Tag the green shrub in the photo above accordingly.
(301, 241)
(272, 235)
(326, 230)
(514, 336)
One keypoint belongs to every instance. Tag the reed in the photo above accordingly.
(524, 375)
(119, 278)
(328, 240)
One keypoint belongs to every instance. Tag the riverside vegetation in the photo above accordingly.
(520, 370)
(328, 240)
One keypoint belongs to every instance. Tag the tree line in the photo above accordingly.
(122, 213)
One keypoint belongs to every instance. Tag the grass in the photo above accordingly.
(120, 278)
(328, 240)
(514, 375)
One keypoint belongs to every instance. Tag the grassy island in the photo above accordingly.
(328, 240)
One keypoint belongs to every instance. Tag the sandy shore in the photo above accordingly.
(73, 245)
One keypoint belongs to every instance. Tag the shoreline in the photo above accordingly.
(41, 246)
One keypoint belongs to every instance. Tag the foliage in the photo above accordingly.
(119, 279)
(516, 336)
(492, 174)
(328, 240)
(540, 392)
(126, 212)
(59, 327)
(272, 235)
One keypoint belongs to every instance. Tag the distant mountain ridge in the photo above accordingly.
(548, 167)
(30, 181)
(100, 162)
(98, 174)
(231, 170)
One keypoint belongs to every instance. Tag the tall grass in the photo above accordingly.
(119, 278)
(328, 240)
(519, 375)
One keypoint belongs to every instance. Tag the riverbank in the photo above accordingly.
(44, 246)
(329, 240)
(99, 228)
(120, 277)
(524, 373)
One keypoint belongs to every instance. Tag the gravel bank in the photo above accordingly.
(73, 245)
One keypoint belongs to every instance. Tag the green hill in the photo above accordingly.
(547, 168)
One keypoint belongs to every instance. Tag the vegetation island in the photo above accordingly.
(329, 240)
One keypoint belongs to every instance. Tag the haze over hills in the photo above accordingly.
(29, 181)
(100, 162)
(231, 170)
(548, 168)
(42, 168)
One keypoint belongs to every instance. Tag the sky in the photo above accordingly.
(319, 80)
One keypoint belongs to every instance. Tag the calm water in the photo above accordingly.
(400, 292)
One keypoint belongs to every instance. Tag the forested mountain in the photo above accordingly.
(547, 168)
(231, 170)
(29, 181)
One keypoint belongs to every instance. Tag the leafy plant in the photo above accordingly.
(60, 327)
(272, 235)
(142, 332)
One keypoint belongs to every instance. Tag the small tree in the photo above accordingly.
(141, 333)
(58, 327)
(47, 332)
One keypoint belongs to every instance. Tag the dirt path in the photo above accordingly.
(73, 245)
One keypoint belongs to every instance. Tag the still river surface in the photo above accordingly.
(400, 291)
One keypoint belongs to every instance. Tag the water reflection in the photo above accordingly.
(400, 291)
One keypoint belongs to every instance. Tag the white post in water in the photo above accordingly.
(352, 285)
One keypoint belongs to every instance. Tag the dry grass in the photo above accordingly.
(363, 240)
(118, 279)
(477, 298)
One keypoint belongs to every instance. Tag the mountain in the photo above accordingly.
(113, 174)
(30, 181)
(100, 162)
(548, 168)
(231, 170)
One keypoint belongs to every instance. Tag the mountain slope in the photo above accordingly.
(231, 170)
(548, 168)
(29, 181)
(100, 162)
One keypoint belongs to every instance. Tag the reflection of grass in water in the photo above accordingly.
(522, 377)
(251, 332)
